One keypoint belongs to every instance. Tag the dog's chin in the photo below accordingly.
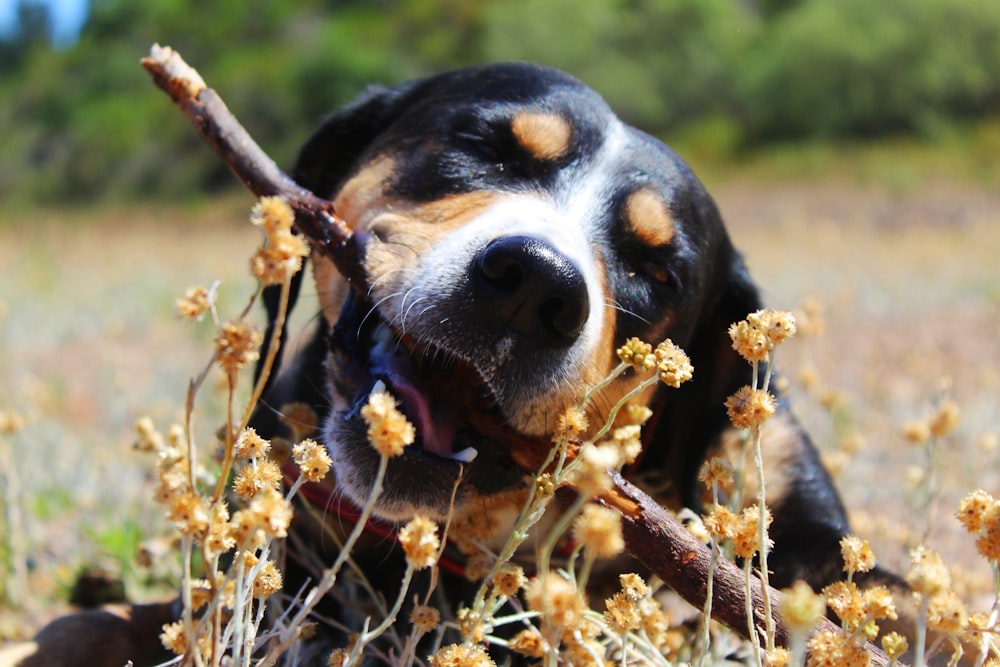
(462, 449)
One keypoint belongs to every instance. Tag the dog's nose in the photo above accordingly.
(523, 285)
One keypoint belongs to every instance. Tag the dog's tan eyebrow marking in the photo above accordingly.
(648, 217)
(546, 136)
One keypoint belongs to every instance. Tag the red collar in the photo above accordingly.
(338, 507)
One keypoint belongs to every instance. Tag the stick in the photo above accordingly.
(314, 216)
(652, 533)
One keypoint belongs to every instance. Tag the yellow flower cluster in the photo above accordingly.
(830, 648)
(280, 257)
(558, 600)
(236, 345)
(461, 655)
(930, 579)
(389, 431)
(249, 445)
(755, 337)
(424, 618)
(313, 460)
(572, 423)
(979, 512)
(509, 580)
(801, 608)
(742, 529)
(633, 608)
(857, 609)
(638, 354)
(599, 530)
(750, 408)
(194, 304)
(672, 364)
(420, 542)
(937, 425)
(857, 554)
(590, 476)
(717, 472)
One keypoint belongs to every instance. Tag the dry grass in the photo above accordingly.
(88, 343)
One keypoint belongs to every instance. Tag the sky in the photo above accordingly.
(68, 17)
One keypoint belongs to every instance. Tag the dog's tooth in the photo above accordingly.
(378, 386)
(467, 455)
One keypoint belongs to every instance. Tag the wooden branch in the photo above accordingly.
(652, 533)
(314, 216)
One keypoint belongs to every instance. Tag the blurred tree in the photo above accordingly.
(83, 123)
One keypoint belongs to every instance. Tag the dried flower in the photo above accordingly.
(946, 613)
(801, 608)
(194, 304)
(150, 440)
(894, 645)
(250, 445)
(251, 479)
(673, 364)
(974, 509)
(750, 408)
(557, 599)
(528, 642)
(717, 472)
(389, 431)
(590, 476)
(572, 423)
(281, 255)
(857, 555)
(637, 354)
(846, 601)
(236, 346)
(509, 580)
(830, 648)
(746, 541)
(267, 582)
(313, 460)
(636, 414)
(273, 513)
(461, 655)
(944, 419)
(599, 530)
(622, 613)
(420, 542)
(188, 513)
(424, 618)
(720, 522)
(918, 432)
(173, 638)
(633, 585)
(777, 657)
(927, 574)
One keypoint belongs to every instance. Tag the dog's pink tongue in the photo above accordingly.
(437, 428)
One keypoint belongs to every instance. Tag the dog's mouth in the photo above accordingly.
(460, 432)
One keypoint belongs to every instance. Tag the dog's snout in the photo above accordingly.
(523, 285)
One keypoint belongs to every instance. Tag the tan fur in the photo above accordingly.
(545, 136)
(649, 218)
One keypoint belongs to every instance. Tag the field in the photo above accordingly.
(907, 278)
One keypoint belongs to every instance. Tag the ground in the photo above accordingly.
(907, 277)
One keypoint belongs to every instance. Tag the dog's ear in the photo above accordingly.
(332, 152)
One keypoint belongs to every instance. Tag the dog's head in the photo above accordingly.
(515, 233)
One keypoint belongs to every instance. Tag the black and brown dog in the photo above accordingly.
(514, 233)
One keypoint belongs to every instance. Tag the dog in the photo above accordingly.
(514, 232)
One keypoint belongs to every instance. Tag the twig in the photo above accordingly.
(652, 533)
(314, 216)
